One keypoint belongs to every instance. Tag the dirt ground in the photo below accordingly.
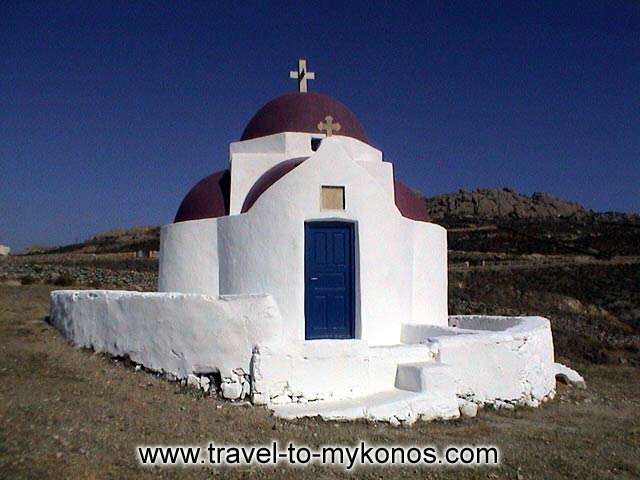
(69, 413)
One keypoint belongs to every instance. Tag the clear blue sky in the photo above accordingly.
(111, 111)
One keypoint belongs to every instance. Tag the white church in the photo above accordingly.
(307, 278)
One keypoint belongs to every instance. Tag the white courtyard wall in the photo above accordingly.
(505, 357)
(330, 369)
(510, 361)
(170, 332)
(430, 279)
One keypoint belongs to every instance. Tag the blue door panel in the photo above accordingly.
(329, 280)
(320, 252)
(339, 244)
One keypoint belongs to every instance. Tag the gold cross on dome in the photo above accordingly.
(328, 126)
(302, 75)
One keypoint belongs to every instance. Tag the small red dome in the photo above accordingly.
(209, 198)
(301, 112)
(409, 203)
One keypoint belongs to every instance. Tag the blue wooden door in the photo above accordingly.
(329, 280)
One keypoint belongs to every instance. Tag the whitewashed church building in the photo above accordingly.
(308, 278)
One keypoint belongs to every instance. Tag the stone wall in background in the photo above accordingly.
(138, 275)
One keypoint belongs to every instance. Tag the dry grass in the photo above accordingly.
(67, 413)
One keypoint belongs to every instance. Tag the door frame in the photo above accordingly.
(353, 275)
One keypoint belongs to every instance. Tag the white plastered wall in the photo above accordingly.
(505, 358)
(249, 159)
(262, 251)
(171, 332)
(189, 257)
(430, 279)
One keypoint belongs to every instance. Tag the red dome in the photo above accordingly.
(209, 198)
(301, 112)
(409, 203)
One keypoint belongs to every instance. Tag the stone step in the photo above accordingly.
(426, 377)
(394, 406)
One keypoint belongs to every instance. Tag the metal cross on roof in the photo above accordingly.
(328, 126)
(302, 75)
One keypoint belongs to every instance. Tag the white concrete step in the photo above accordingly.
(426, 377)
(395, 406)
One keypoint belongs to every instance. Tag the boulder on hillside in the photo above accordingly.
(494, 203)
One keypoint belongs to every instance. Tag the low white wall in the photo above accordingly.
(419, 333)
(329, 369)
(510, 359)
(170, 332)
(430, 275)
(484, 359)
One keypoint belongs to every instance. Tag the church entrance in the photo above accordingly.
(329, 280)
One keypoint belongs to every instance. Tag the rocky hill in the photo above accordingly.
(114, 241)
(506, 204)
(502, 220)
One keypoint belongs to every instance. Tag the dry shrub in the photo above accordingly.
(64, 280)
(28, 280)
